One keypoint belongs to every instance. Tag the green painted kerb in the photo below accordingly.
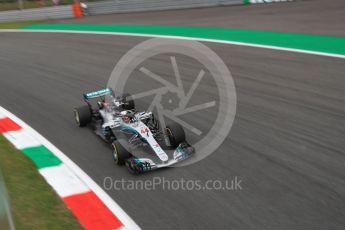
(318, 43)
(41, 156)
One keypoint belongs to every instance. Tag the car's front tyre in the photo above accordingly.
(120, 153)
(175, 134)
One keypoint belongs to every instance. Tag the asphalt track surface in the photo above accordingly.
(286, 144)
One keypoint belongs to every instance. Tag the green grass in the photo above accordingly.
(17, 24)
(35, 205)
(334, 45)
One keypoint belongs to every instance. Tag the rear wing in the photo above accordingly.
(99, 93)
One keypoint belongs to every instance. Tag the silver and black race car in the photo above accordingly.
(137, 138)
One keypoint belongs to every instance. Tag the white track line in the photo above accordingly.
(182, 38)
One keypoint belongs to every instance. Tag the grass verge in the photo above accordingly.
(35, 205)
(17, 24)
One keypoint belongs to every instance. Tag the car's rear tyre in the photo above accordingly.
(120, 153)
(175, 134)
(82, 115)
(127, 98)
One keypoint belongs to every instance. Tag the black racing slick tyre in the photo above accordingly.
(120, 153)
(129, 102)
(82, 115)
(175, 134)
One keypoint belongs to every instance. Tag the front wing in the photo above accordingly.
(140, 165)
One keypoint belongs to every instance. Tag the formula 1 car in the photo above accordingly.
(136, 138)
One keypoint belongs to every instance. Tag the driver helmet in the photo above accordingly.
(127, 116)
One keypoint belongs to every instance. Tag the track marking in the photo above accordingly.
(182, 38)
(85, 189)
